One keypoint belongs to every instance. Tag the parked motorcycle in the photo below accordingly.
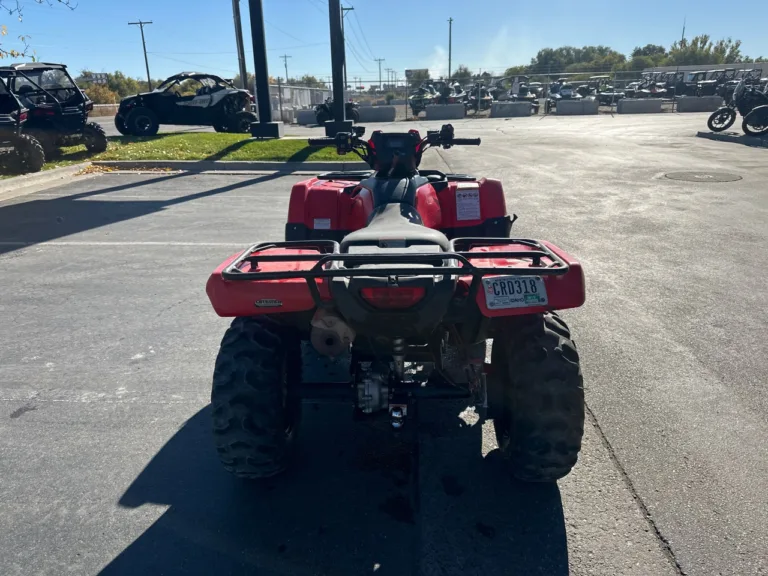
(324, 112)
(745, 99)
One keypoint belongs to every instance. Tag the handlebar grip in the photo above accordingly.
(321, 141)
(466, 141)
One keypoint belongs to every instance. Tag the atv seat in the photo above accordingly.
(399, 223)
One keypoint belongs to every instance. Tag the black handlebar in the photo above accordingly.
(465, 142)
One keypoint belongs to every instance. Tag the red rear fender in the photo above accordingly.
(564, 291)
(251, 298)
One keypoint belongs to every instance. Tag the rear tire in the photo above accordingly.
(95, 138)
(28, 154)
(254, 418)
(355, 116)
(321, 117)
(536, 397)
(721, 119)
(241, 122)
(142, 121)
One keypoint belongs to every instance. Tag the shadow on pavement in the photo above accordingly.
(42, 220)
(361, 500)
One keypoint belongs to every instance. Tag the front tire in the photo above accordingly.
(254, 417)
(121, 126)
(536, 397)
(241, 122)
(721, 119)
(142, 121)
(28, 154)
(95, 138)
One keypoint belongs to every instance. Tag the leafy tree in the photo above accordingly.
(650, 50)
(572, 59)
(15, 8)
(516, 71)
(101, 94)
(701, 50)
(462, 73)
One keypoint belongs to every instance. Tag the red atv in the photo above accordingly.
(402, 276)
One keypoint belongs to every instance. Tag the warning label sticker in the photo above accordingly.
(467, 204)
(322, 224)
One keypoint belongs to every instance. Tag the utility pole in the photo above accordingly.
(343, 15)
(240, 45)
(682, 39)
(379, 60)
(389, 75)
(141, 25)
(450, 43)
(285, 61)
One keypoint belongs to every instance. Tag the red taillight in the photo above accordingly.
(392, 297)
(89, 107)
(23, 117)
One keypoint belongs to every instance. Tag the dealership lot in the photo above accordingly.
(108, 343)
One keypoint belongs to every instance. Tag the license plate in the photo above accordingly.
(514, 292)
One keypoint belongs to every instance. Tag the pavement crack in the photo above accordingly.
(663, 542)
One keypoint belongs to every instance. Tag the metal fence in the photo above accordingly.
(296, 97)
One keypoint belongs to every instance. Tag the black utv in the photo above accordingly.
(189, 98)
(20, 152)
(58, 109)
(324, 112)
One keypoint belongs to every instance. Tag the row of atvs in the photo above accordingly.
(479, 96)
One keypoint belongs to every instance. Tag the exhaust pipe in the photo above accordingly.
(330, 335)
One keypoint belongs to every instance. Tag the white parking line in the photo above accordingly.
(76, 243)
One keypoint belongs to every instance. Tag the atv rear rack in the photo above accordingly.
(332, 263)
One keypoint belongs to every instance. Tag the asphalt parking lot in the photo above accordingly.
(108, 343)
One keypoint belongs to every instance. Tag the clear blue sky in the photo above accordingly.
(492, 35)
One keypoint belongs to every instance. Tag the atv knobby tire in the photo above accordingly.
(142, 121)
(241, 122)
(536, 397)
(254, 418)
(94, 137)
(28, 154)
(321, 117)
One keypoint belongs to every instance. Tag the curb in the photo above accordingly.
(18, 185)
(233, 166)
(735, 138)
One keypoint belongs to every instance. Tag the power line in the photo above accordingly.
(357, 57)
(284, 32)
(317, 7)
(195, 64)
(362, 33)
